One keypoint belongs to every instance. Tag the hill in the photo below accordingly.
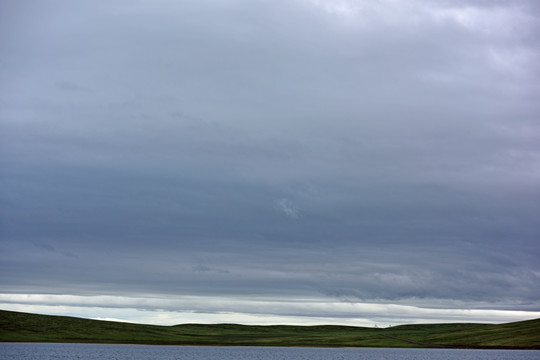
(16, 326)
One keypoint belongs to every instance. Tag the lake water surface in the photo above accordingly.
(38, 351)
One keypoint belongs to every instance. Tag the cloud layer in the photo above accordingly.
(347, 152)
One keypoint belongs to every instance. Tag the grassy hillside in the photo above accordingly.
(522, 334)
(15, 326)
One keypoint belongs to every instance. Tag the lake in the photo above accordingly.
(39, 351)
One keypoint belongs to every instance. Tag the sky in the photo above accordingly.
(271, 162)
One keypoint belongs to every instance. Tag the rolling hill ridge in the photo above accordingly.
(25, 327)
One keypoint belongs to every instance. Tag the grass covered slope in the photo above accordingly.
(15, 326)
(522, 334)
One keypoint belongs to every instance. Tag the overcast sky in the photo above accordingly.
(281, 161)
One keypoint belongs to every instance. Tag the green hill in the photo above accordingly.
(16, 326)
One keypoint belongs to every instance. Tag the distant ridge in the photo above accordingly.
(19, 327)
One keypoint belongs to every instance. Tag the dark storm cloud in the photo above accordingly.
(298, 148)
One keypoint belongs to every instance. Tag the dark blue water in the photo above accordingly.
(32, 351)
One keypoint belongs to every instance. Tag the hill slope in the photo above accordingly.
(15, 326)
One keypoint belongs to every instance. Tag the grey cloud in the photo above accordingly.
(288, 207)
(385, 154)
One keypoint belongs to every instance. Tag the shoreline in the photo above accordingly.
(434, 347)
